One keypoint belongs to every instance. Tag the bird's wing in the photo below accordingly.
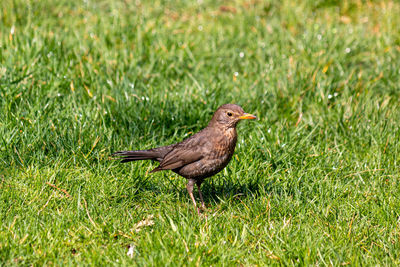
(184, 153)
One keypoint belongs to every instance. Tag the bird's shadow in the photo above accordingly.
(215, 190)
(223, 189)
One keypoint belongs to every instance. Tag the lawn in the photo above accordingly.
(314, 181)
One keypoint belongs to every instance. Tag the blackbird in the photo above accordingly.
(199, 156)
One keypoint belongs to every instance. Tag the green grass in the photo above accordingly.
(315, 181)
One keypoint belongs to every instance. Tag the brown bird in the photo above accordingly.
(201, 155)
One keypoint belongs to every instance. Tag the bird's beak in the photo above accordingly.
(247, 116)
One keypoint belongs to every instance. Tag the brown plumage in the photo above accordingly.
(201, 155)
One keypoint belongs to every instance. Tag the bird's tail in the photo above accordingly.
(153, 154)
(127, 156)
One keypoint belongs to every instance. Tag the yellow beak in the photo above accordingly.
(247, 116)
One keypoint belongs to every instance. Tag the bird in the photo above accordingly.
(201, 155)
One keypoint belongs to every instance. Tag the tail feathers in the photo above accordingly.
(127, 156)
(156, 170)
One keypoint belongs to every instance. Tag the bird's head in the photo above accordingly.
(229, 115)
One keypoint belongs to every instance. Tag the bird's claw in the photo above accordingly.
(201, 212)
(201, 209)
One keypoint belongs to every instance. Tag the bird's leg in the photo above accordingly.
(201, 195)
(189, 188)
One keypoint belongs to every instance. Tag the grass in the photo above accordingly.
(315, 181)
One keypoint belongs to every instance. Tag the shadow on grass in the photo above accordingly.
(215, 189)
(221, 189)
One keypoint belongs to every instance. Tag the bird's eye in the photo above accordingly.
(229, 114)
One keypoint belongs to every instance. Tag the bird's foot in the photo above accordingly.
(201, 209)
(201, 212)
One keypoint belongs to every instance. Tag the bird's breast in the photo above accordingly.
(225, 146)
(219, 153)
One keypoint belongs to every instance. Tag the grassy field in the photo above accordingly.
(315, 181)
